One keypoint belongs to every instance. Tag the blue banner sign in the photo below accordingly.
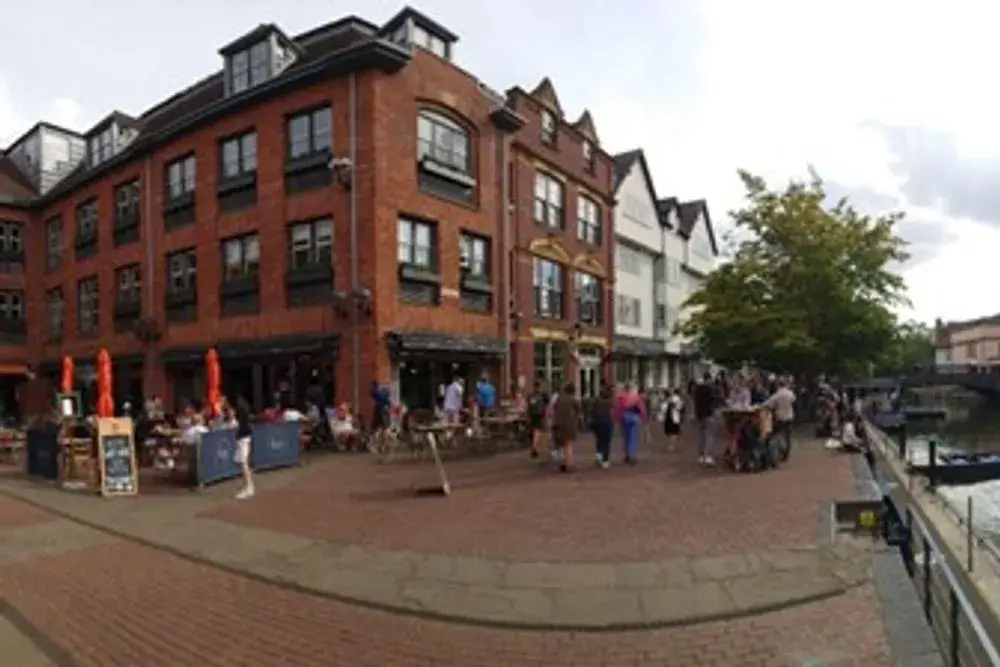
(275, 445)
(216, 457)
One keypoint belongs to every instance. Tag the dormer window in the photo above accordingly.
(102, 146)
(548, 127)
(250, 68)
(432, 43)
(257, 57)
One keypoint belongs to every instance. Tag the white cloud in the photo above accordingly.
(16, 119)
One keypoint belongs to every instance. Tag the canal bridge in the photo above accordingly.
(982, 379)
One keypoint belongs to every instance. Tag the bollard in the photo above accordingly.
(969, 537)
(901, 440)
(932, 463)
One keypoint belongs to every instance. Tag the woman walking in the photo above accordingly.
(242, 458)
(565, 423)
(602, 423)
(631, 413)
(673, 411)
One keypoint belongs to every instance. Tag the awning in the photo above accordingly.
(633, 346)
(254, 349)
(13, 369)
(402, 344)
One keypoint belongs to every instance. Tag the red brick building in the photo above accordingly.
(324, 207)
(563, 273)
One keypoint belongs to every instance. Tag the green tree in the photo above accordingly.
(912, 347)
(809, 288)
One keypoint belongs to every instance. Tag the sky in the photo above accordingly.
(889, 102)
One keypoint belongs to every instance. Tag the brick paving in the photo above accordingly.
(15, 514)
(122, 605)
(508, 508)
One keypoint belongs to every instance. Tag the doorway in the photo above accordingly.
(589, 372)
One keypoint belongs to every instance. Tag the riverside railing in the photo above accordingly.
(965, 627)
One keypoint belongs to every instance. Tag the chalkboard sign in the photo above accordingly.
(116, 454)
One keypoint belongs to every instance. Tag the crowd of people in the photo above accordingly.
(556, 419)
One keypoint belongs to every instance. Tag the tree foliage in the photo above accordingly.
(808, 289)
(911, 348)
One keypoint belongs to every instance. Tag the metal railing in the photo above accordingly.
(962, 623)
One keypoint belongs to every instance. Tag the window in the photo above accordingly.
(549, 128)
(86, 229)
(548, 201)
(239, 69)
(628, 260)
(443, 140)
(416, 244)
(88, 292)
(588, 299)
(476, 284)
(311, 244)
(241, 256)
(181, 177)
(11, 305)
(126, 227)
(128, 295)
(429, 41)
(661, 316)
(547, 279)
(310, 133)
(260, 63)
(240, 283)
(416, 252)
(11, 240)
(182, 272)
(239, 156)
(102, 146)
(673, 271)
(178, 206)
(238, 182)
(11, 247)
(55, 302)
(628, 311)
(550, 365)
(53, 242)
(588, 220)
(588, 155)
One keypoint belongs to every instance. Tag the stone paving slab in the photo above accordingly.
(539, 595)
(18, 650)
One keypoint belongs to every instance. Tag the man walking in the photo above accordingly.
(782, 404)
(706, 400)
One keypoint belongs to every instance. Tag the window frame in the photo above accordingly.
(186, 182)
(549, 127)
(315, 250)
(246, 268)
(544, 292)
(542, 206)
(133, 293)
(54, 253)
(189, 284)
(55, 302)
(589, 290)
(92, 303)
(593, 224)
(240, 141)
(443, 153)
(314, 149)
(411, 259)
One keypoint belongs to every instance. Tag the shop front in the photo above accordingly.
(423, 364)
(256, 370)
(639, 361)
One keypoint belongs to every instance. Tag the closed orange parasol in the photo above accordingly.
(66, 385)
(213, 373)
(105, 401)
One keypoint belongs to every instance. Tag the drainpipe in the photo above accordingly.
(355, 286)
(506, 269)
(147, 219)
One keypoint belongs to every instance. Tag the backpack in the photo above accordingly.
(538, 405)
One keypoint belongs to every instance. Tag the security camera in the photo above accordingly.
(340, 163)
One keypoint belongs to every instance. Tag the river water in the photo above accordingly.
(973, 424)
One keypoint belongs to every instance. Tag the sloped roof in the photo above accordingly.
(623, 167)
(688, 212)
(585, 126)
(545, 93)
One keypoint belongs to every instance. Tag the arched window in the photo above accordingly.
(444, 141)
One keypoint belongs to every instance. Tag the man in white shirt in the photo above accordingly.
(782, 404)
(453, 394)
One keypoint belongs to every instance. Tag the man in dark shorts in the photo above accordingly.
(381, 398)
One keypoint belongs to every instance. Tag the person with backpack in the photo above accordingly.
(538, 404)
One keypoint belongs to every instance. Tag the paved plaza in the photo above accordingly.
(338, 563)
